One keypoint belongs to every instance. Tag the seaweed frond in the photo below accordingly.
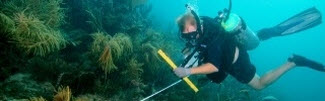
(37, 99)
(55, 15)
(6, 23)
(63, 94)
(100, 40)
(149, 52)
(89, 97)
(150, 58)
(116, 48)
(124, 41)
(106, 61)
(48, 11)
(101, 46)
(134, 72)
(34, 37)
(110, 49)
(32, 25)
(96, 20)
(121, 44)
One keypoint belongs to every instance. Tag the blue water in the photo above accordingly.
(299, 84)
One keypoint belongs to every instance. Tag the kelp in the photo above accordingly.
(100, 39)
(96, 20)
(132, 80)
(150, 53)
(101, 48)
(6, 24)
(149, 46)
(37, 99)
(31, 25)
(89, 97)
(63, 94)
(106, 60)
(55, 14)
(115, 16)
(118, 62)
(123, 42)
(96, 15)
(34, 37)
(110, 49)
(133, 72)
(48, 11)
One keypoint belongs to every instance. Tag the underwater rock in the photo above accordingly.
(270, 98)
(21, 86)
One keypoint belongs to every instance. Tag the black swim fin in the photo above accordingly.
(302, 61)
(302, 21)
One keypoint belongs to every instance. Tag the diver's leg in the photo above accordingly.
(268, 78)
(273, 75)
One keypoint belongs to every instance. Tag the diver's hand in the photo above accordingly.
(182, 72)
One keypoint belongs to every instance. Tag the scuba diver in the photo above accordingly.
(218, 46)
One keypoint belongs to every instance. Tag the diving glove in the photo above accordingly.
(302, 61)
(182, 72)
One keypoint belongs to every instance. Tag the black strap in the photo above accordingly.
(188, 58)
(197, 18)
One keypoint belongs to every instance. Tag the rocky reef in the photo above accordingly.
(93, 50)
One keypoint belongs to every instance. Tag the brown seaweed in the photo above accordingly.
(101, 49)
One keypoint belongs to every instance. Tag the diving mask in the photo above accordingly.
(190, 35)
(191, 38)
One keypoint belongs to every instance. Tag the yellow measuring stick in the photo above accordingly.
(171, 63)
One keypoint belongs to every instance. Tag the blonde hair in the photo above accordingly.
(181, 21)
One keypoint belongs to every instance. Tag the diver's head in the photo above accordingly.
(188, 26)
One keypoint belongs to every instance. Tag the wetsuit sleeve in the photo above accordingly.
(213, 56)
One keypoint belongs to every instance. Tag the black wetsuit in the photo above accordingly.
(218, 48)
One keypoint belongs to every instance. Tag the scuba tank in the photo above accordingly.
(243, 35)
(236, 26)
